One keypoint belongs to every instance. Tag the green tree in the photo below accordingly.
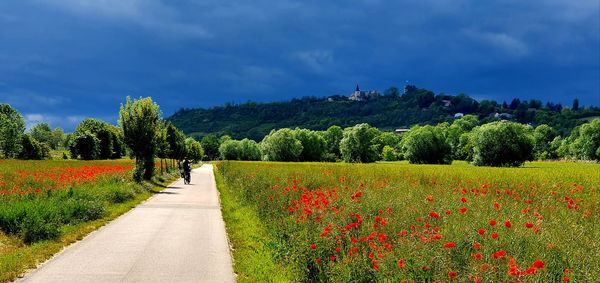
(12, 127)
(281, 145)
(313, 145)
(58, 138)
(230, 150)
(502, 143)
(85, 145)
(140, 120)
(42, 133)
(390, 154)
(584, 142)
(456, 130)
(359, 144)
(211, 144)
(110, 144)
(194, 149)
(249, 150)
(427, 145)
(33, 149)
(163, 150)
(543, 136)
(176, 141)
(333, 136)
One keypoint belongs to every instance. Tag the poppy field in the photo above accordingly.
(397, 222)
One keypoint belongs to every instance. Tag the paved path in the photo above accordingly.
(176, 236)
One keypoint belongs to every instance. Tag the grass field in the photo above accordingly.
(394, 222)
(46, 205)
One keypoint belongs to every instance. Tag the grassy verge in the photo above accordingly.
(253, 256)
(16, 257)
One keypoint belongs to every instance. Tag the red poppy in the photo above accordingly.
(529, 225)
(507, 224)
(530, 270)
(565, 279)
(313, 246)
(481, 231)
(477, 256)
(452, 274)
(492, 222)
(494, 235)
(434, 214)
(499, 254)
(401, 263)
(463, 200)
(332, 258)
(476, 246)
(496, 206)
(463, 210)
(538, 264)
(450, 245)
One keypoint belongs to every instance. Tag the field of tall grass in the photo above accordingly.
(46, 205)
(394, 222)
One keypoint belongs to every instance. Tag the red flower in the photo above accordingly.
(538, 264)
(492, 222)
(496, 206)
(450, 245)
(448, 212)
(529, 225)
(401, 263)
(463, 210)
(477, 256)
(476, 246)
(507, 224)
(452, 274)
(317, 260)
(434, 214)
(494, 235)
(429, 198)
(313, 246)
(530, 270)
(499, 254)
(481, 231)
(332, 258)
(463, 200)
(565, 279)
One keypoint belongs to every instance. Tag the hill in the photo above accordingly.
(393, 109)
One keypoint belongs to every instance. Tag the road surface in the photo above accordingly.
(176, 236)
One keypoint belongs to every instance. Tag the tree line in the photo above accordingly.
(497, 143)
(395, 108)
(141, 134)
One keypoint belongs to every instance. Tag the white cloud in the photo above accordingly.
(316, 60)
(502, 41)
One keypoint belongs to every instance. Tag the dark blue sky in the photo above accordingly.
(64, 60)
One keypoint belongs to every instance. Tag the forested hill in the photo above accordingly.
(393, 109)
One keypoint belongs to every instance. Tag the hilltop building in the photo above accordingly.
(363, 95)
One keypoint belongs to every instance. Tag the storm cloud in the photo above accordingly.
(63, 60)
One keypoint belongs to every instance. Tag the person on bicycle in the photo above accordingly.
(187, 168)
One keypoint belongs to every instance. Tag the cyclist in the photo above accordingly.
(187, 168)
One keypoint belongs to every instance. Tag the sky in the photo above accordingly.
(65, 60)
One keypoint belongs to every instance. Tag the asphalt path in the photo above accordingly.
(176, 236)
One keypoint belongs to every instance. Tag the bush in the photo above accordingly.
(40, 225)
(119, 195)
(390, 154)
(583, 143)
(427, 145)
(239, 150)
(281, 145)
(31, 149)
(502, 144)
(86, 145)
(359, 144)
